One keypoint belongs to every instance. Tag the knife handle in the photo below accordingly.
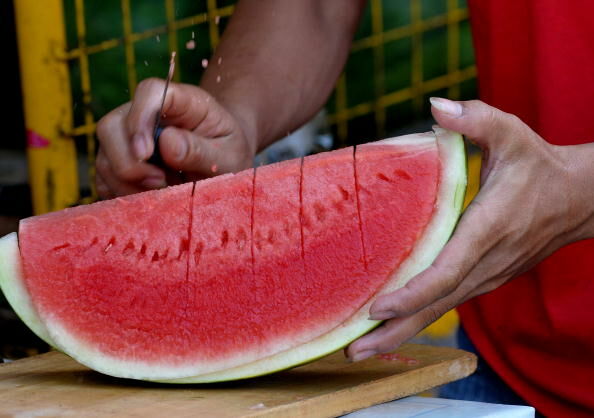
(156, 158)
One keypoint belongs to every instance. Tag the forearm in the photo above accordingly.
(278, 61)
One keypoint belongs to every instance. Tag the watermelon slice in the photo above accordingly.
(239, 275)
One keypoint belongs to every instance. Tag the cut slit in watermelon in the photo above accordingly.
(268, 340)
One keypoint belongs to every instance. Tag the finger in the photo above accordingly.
(474, 237)
(117, 150)
(186, 151)
(394, 332)
(185, 106)
(111, 186)
(102, 189)
(484, 125)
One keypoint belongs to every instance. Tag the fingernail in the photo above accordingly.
(363, 355)
(140, 147)
(181, 149)
(153, 183)
(381, 316)
(447, 106)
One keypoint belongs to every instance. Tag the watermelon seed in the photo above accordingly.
(184, 246)
(339, 206)
(345, 194)
(198, 252)
(258, 240)
(224, 238)
(61, 247)
(383, 177)
(142, 250)
(270, 237)
(110, 244)
(241, 235)
(155, 256)
(403, 174)
(129, 248)
(320, 211)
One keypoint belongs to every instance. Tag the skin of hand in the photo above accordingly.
(534, 198)
(201, 139)
(274, 68)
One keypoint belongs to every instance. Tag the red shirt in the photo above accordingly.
(535, 59)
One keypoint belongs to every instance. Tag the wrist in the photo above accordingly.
(580, 167)
(588, 163)
(246, 123)
(228, 97)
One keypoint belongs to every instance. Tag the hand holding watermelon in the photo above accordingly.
(201, 138)
(535, 198)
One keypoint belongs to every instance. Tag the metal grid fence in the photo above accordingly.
(61, 33)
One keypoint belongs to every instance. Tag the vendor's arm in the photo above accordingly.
(280, 61)
(535, 198)
(274, 68)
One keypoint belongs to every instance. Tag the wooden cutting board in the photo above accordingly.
(52, 384)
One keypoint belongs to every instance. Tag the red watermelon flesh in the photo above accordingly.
(278, 259)
(406, 184)
(113, 273)
(238, 275)
(330, 204)
(220, 276)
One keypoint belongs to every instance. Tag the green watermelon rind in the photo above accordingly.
(449, 207)
(437, 233)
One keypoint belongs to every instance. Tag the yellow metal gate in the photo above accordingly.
(57, 137)
(46, 58)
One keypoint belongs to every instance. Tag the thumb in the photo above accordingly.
(185, 106)
(482, 124)
(187, 151)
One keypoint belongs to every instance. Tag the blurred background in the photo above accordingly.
(71, 61)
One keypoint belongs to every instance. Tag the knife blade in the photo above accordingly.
(156, 158)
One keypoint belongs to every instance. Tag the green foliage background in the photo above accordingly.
(109, 83)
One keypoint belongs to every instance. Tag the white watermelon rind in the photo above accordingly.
(449, 204)
(14, 289)
(448, 209)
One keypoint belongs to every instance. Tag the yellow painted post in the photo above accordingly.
(172, 32)
(213, 23)
(341, 110)
(47, 104)
(85, 83)
(129, 46)
(453, 39)
(377, 27)
(417, 54)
